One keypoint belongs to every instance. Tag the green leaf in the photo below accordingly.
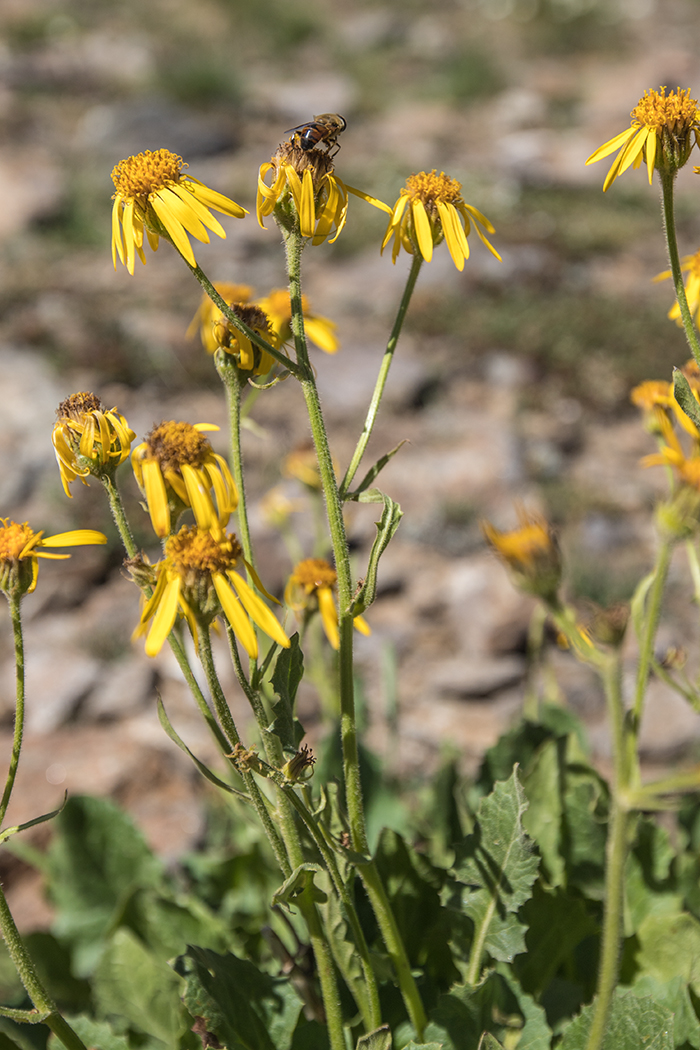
(684, 396)
(638, 603)
(634, 1022)
(670, 947)
(379, 1039)
(8, 832)
(557, 923)
(93, 1033)
(497, 1005)
(96, 860)
(386, 527)
(289, 671)
(413, 885)
(373, 472)
(675, 996)
(650, 882)
(53, 963)
(297, 882)
(134, 983)
(204, 770)
(489, 1042)
(497, 869)
(242, 1006)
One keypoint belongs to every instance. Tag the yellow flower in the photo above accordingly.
(690, 263)
(311, 585)
(21, 548)
(276, 507)
(87, 439)
(430, 208)
(320, 330)
(176, 467)
(197, 578)
(303, 187)
(154, 195)
(662, 133)
(530, 552)
(217, 332)
(209, 315)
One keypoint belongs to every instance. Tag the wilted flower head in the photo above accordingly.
(530, 552)
(21, 547)
(663, 131)
(89, 439)
(176, 467)
(305, 189)
(209, 315)
(197, 577)
(310, 587)
(154, 195)
(430, 209)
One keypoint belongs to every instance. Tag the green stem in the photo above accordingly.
(232, 384)
(233, 319)
(667, 183)
(118, 513)
(383, 374)
(30, 979)
(348, 726)
(16, 617)
(228, 725)
(289, 801)
(616, 855)
(651, 622)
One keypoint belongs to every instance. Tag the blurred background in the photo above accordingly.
(511, 381)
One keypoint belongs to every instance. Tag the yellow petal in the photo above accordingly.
(74, 538)
(450, 227)
(307, 209)
(321, 331)
(361, 625)
(198, 497)
(156, 497)
(164, 618)
(258, 611)
(370, 200)
(609, 147)
(117, 240)
(202, 213)
(212, 199)
(182, 211)
(424, 231)
(174, 229)
(233, 610)
(329, 616)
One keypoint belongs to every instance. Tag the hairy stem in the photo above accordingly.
(651, 623)
(16, 617)
(667, 185)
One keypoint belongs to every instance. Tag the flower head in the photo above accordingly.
(691, 264)
(663, 131)
(301, 463)
(197, 578)
(217, 332)
(310, 587)
(21, 547)
(176, 467)
(154, 195)
(430, 209)
(320, 330)
(530, 552)
(301, 185)
(89, 439)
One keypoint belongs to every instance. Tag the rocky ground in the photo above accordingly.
(511, 380)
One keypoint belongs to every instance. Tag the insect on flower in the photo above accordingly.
(324, 128)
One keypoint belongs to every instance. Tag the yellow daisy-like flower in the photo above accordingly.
(663, 131)
(691, 264)
(320, 330)
(530, 552)
(88, 439)
(176, 467)
(209, 315)
(197, 578)
(21, 548)
(303, 183)
(430, 209)
(311, 586)
(301, 463)
(154, 195)
(217, 332)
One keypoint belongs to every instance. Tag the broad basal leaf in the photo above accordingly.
(634, 1022)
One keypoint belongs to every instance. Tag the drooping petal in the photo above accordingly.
(424, 231)
(329, 616)
(198, 496)
(174, 229)
(77, 537)
(258, 611)
(164, 618)
(235, 615)
(156, 497)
